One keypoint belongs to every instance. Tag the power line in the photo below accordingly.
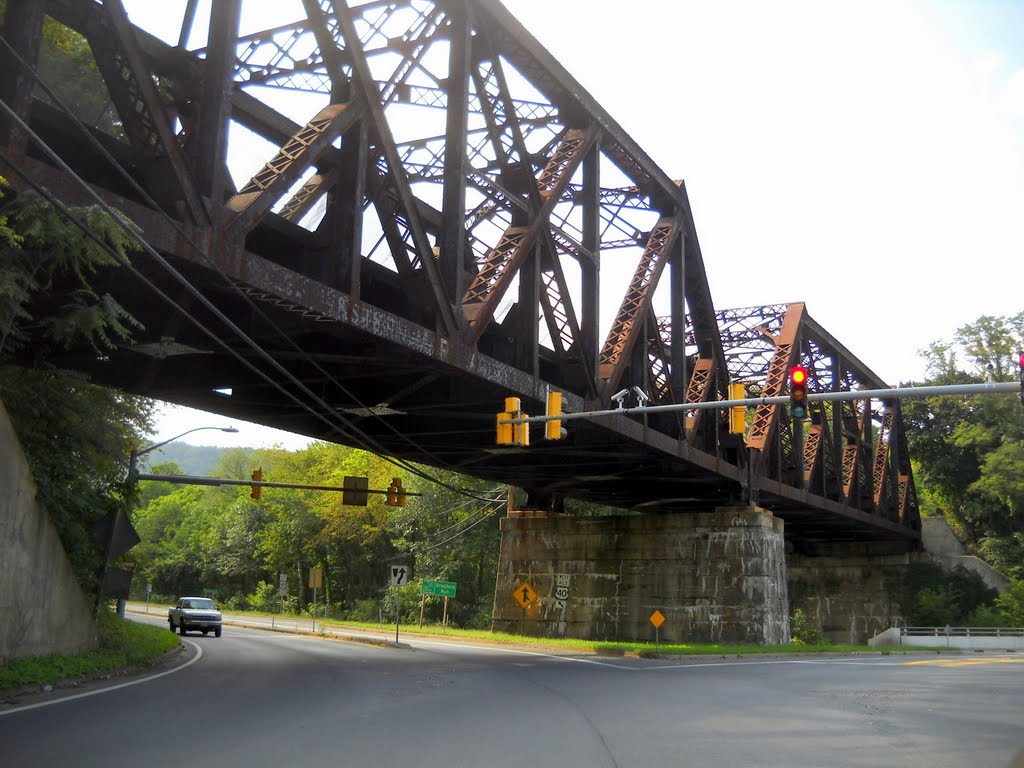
(346, 427)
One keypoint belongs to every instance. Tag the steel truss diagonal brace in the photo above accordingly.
(628, 323)
(786, 355)
(386, 144)
(880, 472)
(697, 392)
(302, 201)
(851, 453)
(121, 63)
(145, 108)
(264, 189)
(812, 449)
(492, 281)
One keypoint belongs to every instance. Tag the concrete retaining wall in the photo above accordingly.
(947, 550)
(716, 577)
(42, 607)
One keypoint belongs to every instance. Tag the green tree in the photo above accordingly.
(76, 436)
(969, 451)
(1011, 603)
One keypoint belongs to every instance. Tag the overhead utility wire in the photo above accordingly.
(369, 444)
(49, 197)
(176, 225)
(463, 532)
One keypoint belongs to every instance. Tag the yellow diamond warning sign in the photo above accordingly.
(524, 594)
(657, 619)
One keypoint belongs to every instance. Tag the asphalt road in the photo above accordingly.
(256, 698)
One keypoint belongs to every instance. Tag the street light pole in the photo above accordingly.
(133, 462)
(132, 480)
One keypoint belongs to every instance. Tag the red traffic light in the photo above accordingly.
(798, 391)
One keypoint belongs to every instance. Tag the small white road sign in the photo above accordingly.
(399, 575)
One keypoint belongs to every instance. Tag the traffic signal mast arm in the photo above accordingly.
(194, 480)
(896, 393)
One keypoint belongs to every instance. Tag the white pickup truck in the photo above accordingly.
(195, 613)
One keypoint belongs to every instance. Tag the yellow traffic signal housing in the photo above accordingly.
(395, 496)
(512, 434)
(737, 413)
(505, 431)
(553, 428)
(257, 475)
(523, 431)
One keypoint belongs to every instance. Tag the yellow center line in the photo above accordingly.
(963, 662)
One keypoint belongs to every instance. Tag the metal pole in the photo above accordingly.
(398, 611)
(895, 393)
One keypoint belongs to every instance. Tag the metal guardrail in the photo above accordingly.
(961, 631)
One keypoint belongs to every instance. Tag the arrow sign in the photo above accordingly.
(524, 594)
(399, 576)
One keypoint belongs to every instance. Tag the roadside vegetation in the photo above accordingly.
(124, 646)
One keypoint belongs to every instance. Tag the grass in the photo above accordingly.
(123, 645)
(578, 646)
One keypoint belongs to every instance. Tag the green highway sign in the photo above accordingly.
(439, 588)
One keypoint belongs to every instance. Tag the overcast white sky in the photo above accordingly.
(879, 144)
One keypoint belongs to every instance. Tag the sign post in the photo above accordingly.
(316, 580)
(443, 589)
(399, 578)
(524, 594)
(657, 619)
(149, 591)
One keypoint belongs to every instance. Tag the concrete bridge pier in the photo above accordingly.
(851, 591)
(716, 577)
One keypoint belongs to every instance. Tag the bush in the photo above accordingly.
(935, 597)
(987, 616)
(264, 599)
(803, 631)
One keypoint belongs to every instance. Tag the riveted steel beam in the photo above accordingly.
(785, 356)
(386, 144)
(254, 200)
(625, 328)
(492, 281)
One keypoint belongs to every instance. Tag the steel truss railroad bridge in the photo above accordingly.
(423, 234)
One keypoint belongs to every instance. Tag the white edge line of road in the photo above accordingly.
(62, 699)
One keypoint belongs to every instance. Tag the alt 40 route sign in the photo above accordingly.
(399, 575)
(524, 594)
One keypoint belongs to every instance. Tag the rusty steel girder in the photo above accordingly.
(425, 233)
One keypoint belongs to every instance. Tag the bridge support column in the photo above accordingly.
(717, 577)
(850, 591)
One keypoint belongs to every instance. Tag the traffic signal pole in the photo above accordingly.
(896, 393)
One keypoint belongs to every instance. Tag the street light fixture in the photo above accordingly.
(122, 535)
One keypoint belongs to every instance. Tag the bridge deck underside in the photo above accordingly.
(409, 355)
(390, 391)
